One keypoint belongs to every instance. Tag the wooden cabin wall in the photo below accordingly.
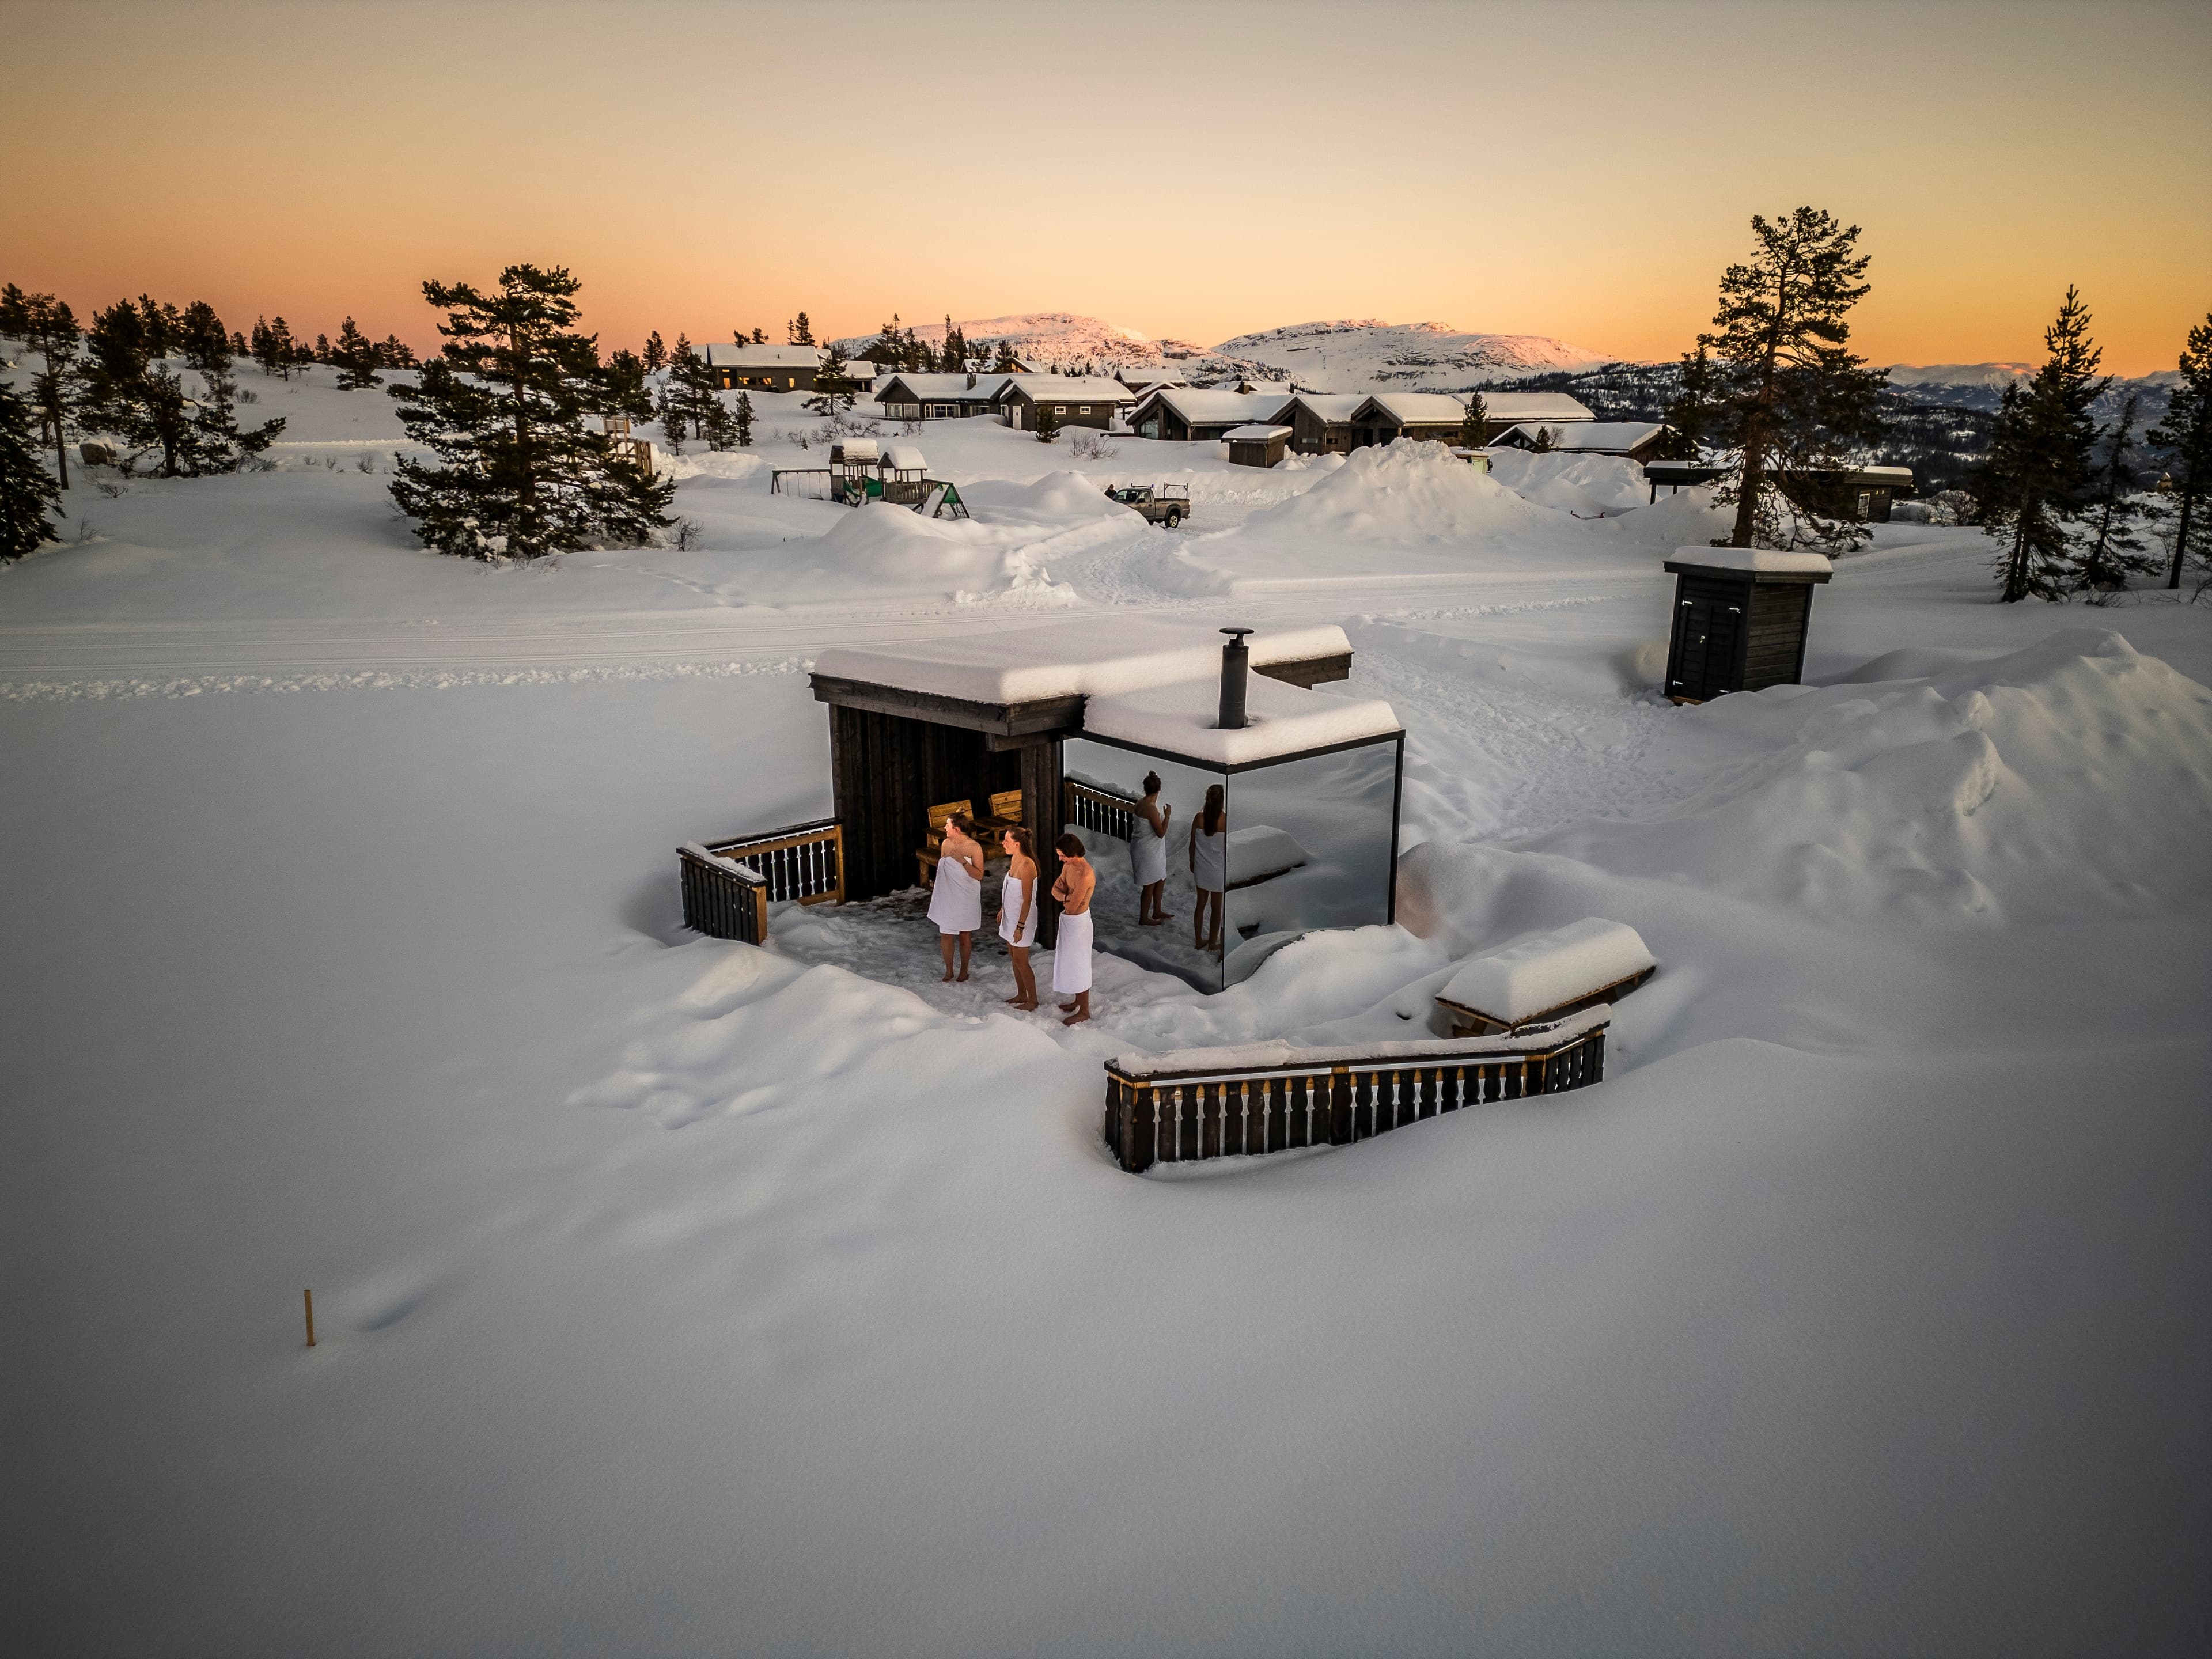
(1774, 647)
(887, 771)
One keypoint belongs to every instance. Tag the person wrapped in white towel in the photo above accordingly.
(1148, 854)
(1071, 952)
(1019, 911)
(955, 899)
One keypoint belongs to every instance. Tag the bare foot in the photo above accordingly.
(1016, 999)
(1067, 1007)
(946, 979)
(961, 979)
(1075, 1019)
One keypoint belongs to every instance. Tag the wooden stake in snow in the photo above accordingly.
(310, 1297)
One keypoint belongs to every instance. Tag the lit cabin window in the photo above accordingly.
(1086, 409)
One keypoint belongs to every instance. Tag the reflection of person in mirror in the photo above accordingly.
(1070, 954)
(1148, 854)
(1018, 912)
(1209, 867)
(956, 900)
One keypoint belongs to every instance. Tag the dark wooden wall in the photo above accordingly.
(1774, 652)
(888, 771)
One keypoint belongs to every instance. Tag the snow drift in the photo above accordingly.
(1399, 492)
(1587, 485)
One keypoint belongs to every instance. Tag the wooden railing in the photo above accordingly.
(1169, 1108)
(1099, 811)
(801, 861)
(720, 899)
(729, 885)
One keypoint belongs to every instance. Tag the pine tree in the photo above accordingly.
(760, 337)
(1797, 404)
(674, 417)
(2114, 551)
(502, 407)
(1544, 443)
(14, 318)
(1047, 424)
(1693, 414)
(1474, 422)
(322, 354)
(27, 492)
(801, 331)
(130, 390)
(833, 386)
(274, 347)
(2186, 432)
(656, 354)
(1004, 363)
(161, 324)
(49, 328)
(355, 355)
(238, 348)
(2039, 460)
(741, 422)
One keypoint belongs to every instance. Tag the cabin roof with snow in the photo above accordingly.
(1210, 407)
(1144, 379)
(1257, 434)
(947, 388)
(1037, 387)
(1587, 437)
(1416, 408)
(1552, 408)
(1330, 408)
(763, 356)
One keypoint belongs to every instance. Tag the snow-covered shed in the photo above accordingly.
(1257, 445)
(1182, 415)
(1741, 617)
(1636, 440)
(1075, 715)
(1071, 400)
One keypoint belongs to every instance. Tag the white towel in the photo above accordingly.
(956, 903)
(1071, 956)
(1011, 895)
(1148, 851)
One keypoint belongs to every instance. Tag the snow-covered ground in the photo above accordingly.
(678, 1296)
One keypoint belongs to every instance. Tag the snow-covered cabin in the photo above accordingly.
(1071, 399)
(1075, 715)
(1321, 422)
(1389, 416)
(1141, 380)
(1502, 411)
(1635, 440)
(1258, 444)
(1182, 415)
(908, 395)
(764, 367)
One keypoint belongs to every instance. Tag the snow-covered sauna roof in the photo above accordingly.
(1541, 971)
(1605, 437)
(1760, 560)
(1155, 683)
(1255, 435)
(763, 356)
(1280, 719)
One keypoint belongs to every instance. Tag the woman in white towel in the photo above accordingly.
(1070, 954)
(1209, 867)
(956, 902)
(1018, 910)
(1148, 854)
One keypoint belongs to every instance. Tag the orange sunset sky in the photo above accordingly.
(1188, 170)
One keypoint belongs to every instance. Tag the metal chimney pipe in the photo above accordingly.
(1235, 663)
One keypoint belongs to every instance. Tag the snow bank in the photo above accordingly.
(1262, 849)
(1539, 972)
(1274, 1056)
(1586, 485)
(1056, 497)
(882, 545)
(2068, 780)
(1399, 492)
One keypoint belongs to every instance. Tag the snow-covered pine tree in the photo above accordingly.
(741, 422)
(2113, 552)
(27, 491)
(1472, 424)
(1796, 405)
(2185, 434)
(49, 328)
(2040, 460)
(355, 355)
(502, 407)
(656, 352)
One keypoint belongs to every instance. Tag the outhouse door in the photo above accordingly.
(1707, 626)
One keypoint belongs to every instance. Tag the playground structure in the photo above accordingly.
(861, 470)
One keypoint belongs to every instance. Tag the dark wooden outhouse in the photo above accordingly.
(1740, 622)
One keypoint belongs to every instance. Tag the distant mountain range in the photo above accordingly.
(1350, 356)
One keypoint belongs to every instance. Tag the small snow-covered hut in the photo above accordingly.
(1056, 727)
(1740, 617)
(1258, 444)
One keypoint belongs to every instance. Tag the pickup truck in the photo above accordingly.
(1161, 504)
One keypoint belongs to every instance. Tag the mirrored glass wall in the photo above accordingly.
(1306, 843)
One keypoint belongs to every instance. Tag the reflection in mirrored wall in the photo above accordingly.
(1301, 843)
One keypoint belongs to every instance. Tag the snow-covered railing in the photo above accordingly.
(1102, 811)
(721, 899)
(1271, 1096)
(728, 884)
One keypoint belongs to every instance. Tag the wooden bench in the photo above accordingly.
(1006, 813)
